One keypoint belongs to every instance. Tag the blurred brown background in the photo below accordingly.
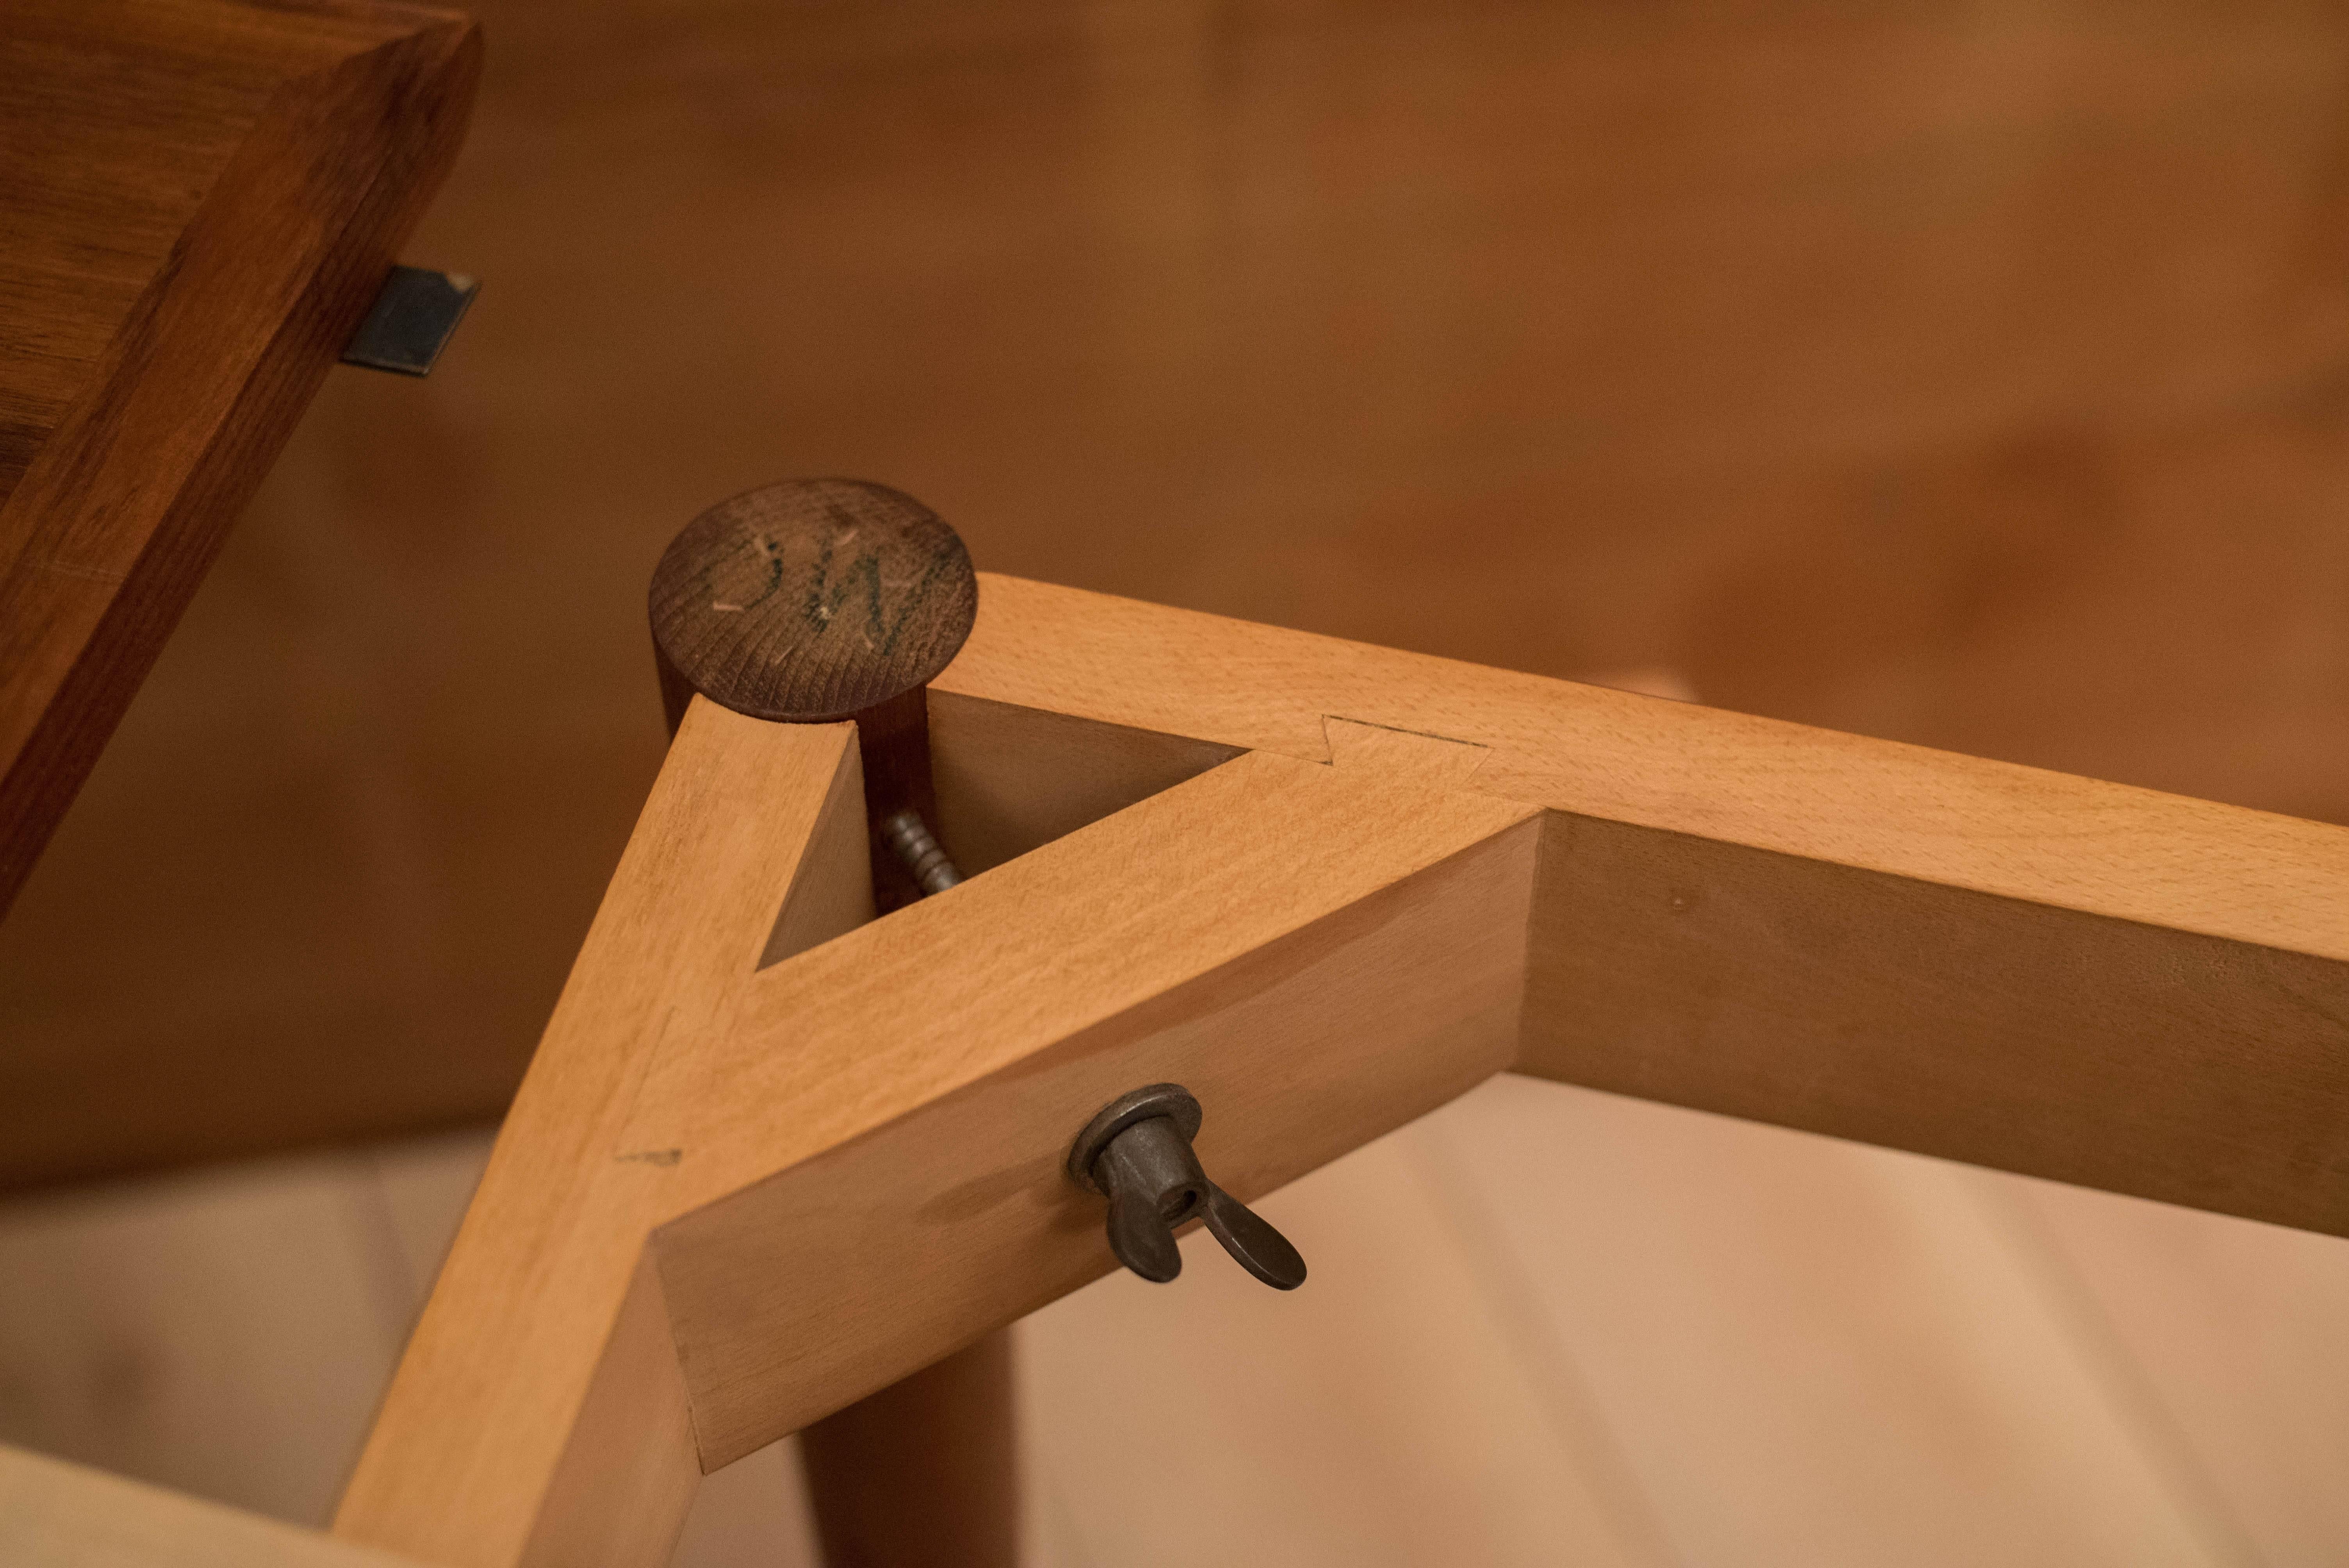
(1969, 373)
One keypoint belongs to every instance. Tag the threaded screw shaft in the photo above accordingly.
(909, 837)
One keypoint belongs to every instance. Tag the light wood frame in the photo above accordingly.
(773, 1155)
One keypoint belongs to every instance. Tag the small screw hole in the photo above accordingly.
(1176, 1206)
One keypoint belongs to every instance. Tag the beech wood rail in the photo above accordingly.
(773, 1156)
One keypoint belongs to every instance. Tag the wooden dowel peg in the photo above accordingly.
(813, 600)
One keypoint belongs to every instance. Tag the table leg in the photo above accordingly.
(924, 1473)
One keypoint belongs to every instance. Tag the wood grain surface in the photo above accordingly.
(1319, 956)
(201, 198)
(1969, 822)
(2017, 968)
(830, 1171)
(849, 1163)
(519, 1386)
(810, 600)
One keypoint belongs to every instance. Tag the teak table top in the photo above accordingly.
(202, 197)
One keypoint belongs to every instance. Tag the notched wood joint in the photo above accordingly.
(1437, 760)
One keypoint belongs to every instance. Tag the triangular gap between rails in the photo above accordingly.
(1011, 779)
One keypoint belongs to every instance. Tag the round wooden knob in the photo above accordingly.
(812, 600)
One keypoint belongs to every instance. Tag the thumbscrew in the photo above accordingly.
(1137, 1151)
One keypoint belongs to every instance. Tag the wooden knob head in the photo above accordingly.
(810, 600)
